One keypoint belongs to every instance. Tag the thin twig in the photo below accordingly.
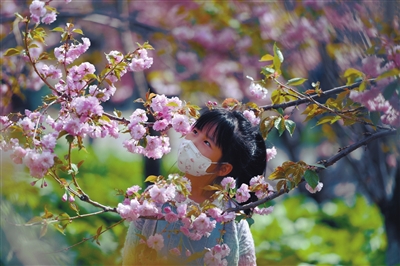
(314, 96)
(86, 239)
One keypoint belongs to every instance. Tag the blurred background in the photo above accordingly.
(203, 52)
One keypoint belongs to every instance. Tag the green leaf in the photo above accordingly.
(90, 76)
(266, 57)
(375, 117)
(58, 29)
(276, 97)
(280, 125)
(362, 86)
(352, 71)
(74, 168)
(280, 111)
(267, 70)
(12, 51)
(290, 126)
(19, 16)
(33, 45)
(43, 230)
(296, 81)
(326, 119)
(311, 178)
(278, 59)
(277, 53)
(151, 178)
(79, 31)
(390, 73)
(250, 221)
(266, 125)
(390, 89)
(34, 220)
(145, 45)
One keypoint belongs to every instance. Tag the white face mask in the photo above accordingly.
(191, 161)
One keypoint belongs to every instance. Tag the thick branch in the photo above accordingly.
(355, 146)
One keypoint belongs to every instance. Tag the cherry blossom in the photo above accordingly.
(316, 189)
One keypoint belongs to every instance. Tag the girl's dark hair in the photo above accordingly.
(241, 144)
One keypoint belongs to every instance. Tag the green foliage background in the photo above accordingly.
(298, 232)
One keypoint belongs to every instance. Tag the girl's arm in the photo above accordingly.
(247, 254)
(131, 241)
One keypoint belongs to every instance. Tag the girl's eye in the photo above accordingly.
(194, 131)
(207, 143)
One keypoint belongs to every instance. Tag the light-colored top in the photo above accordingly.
(237, 236)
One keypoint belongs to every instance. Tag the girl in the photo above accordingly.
(222, 143)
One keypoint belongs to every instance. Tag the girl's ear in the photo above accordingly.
(224, 169)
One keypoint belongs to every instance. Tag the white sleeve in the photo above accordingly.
(247, 254)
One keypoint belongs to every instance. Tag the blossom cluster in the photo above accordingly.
(168, 113)
(257, 90)
(216, 255)
(39, 12)
(373, 99)
(40, 156)
(168, 199)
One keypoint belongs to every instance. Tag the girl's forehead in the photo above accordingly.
(210, 131)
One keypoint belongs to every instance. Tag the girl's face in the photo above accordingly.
(204, 140)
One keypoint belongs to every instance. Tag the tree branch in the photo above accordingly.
(343, 152)
(332, 160)
(315, 96)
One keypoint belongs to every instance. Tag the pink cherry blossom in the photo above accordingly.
(249, 114)
(263, 211)
(157, 194)
(181, 124)
(37, 8)
(242, 194)
(271, 153)
(87, 107)
(129, 211)
(156, 242)
(137, 131)
(181, 210)
(132, 190)
(133, 146)
(49, 18)
(161, 125)
(228, 183)
(316, 189)
(175, 252)
(138, 116)
(114, 57)
(27, 126)
(148, 209)
(216, 255)
(171, 217)
(18, 154)
(140, 61)
(256, 90)
(188, 253)
(49, 140)
(51, 71)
